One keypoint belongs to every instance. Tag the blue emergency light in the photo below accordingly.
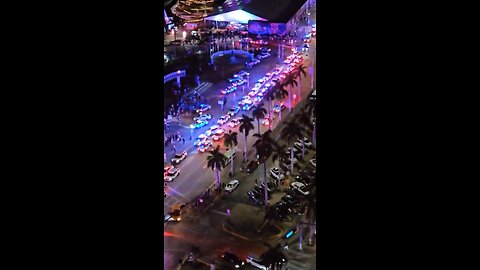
(290, 233)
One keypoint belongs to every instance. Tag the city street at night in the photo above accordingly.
(212, 209)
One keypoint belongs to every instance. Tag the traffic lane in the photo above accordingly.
(193, 180)
(210, 238)
(232, 100)
(241, 144)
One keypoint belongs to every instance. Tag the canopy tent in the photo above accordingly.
(238, 16)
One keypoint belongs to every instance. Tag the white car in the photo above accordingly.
(205, 146)
(232, 185)
(257, 86)
(199, 141)
(203, 117)
(262, 80)
(210, 131)
(172, 174)
(300, 187)
(242, 73)
(307, 142)
(234, 122)
(222, 120)
(276, 109)
(258, 99)
(313, 162)
(179, 157)
(264, 89)
(298, 144)
(240, 82)
(233, 111)
(219, 133)
(253, 93)
(277, 71)
(268, 76)
(266, 121)
(277, 174)
(204, 108)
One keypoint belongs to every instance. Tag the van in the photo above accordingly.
(229, 156)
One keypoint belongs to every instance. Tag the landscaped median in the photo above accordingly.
(245, 222)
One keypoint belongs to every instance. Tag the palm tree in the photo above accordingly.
(216, 161)
(230, 140)
(270, 96)
(291, 132)
(310, 109)
(280, 94)
(305, 121)
(298, 72)
(259, 113)
(290, 81)
(246, 125)
(264, 146)
(279, 154)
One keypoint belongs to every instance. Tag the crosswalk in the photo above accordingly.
(202, 87)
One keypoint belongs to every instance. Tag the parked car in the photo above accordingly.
(253, 92)
(179, 157)
(203, 108)
(277, 174)
(223, 119)
(233, 79)
(234, 122)
(239, 82)
(305, 47)
(218, 135)
(241, 73)
(299, 187)
(198, 141)
(172, 174)
(268, 76)
(166, 168)
(233, 111)
(203, 117)
(254, 198)
(212, 129)
(199, 124)
(229, 90)
(231, 186)
(277, 108)
(205, 147)
(306, 141)
(252, 166)
(247, 107)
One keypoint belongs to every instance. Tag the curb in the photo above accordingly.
(238, 235)
(255, 239)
